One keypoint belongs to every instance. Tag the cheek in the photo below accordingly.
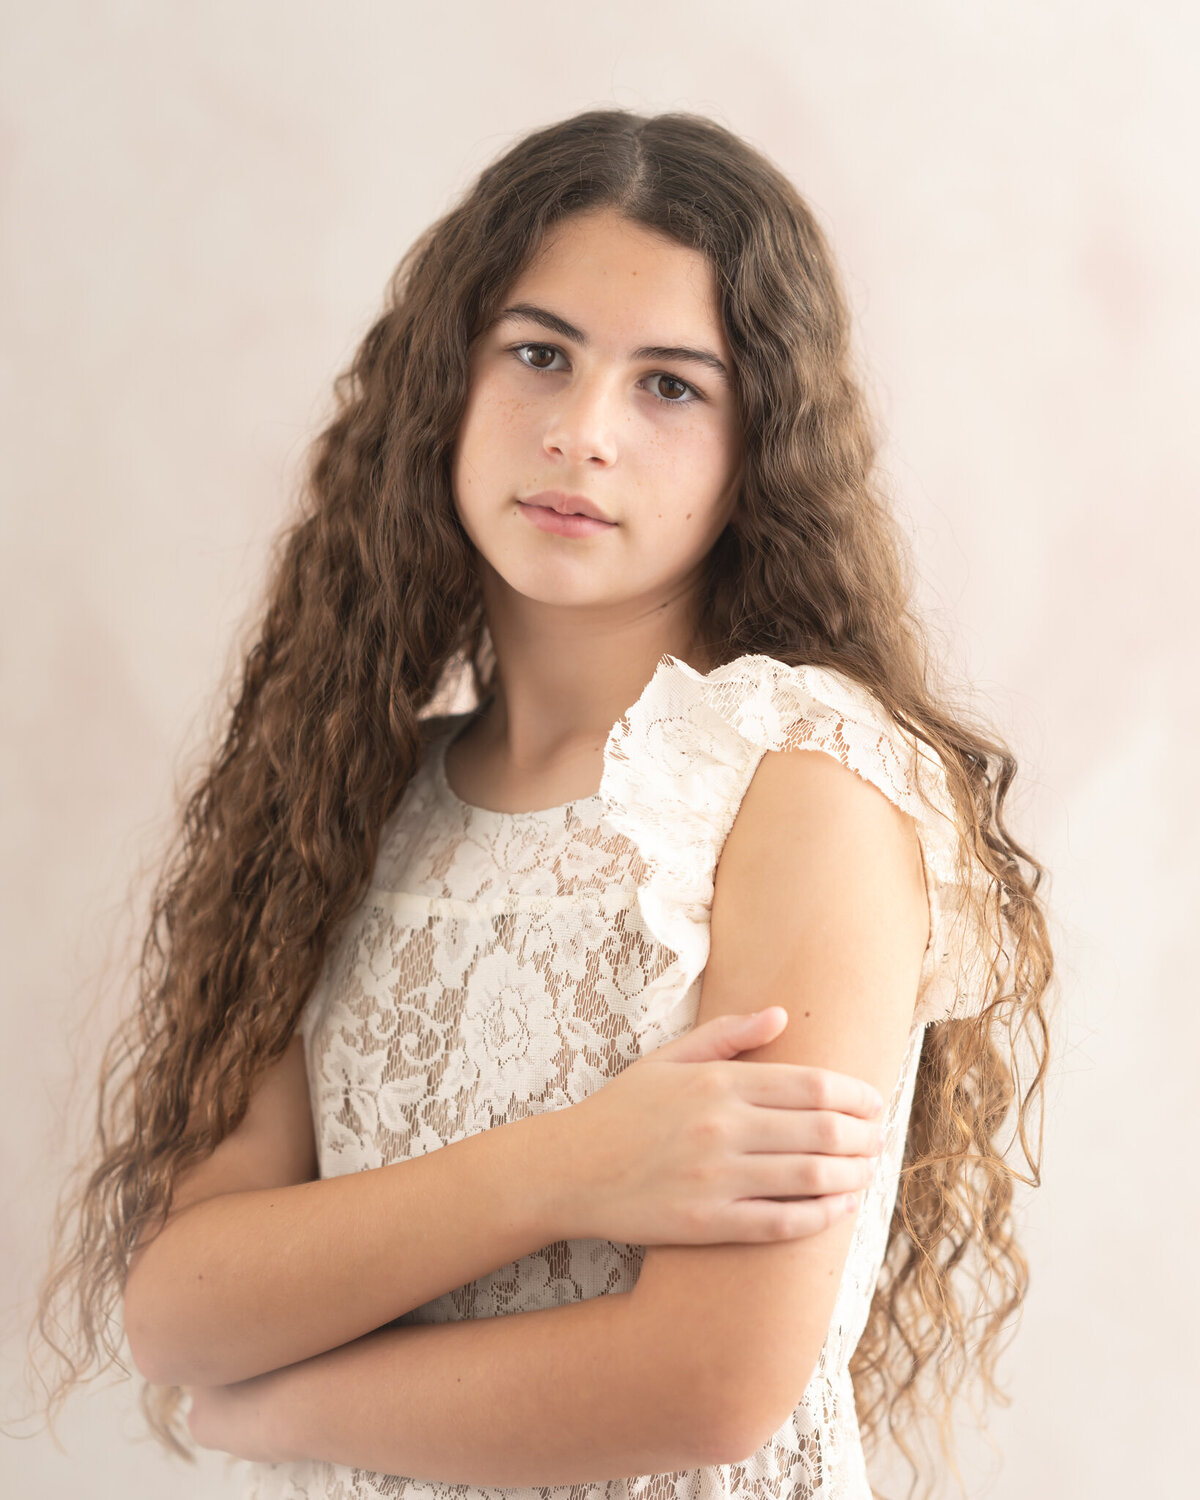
(692, 459)
(486, 434)
(497, 410)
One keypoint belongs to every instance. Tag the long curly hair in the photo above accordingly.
(373, 606)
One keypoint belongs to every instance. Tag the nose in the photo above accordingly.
(581, 425)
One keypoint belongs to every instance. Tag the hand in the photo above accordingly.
(688, 1147)
(238, 1419)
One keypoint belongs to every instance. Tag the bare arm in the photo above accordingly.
(260, 1265)
(574, 1394)
(705, 1358)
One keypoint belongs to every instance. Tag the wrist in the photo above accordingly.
(549, 1170)
(280, 1420)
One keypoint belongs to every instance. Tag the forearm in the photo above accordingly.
(565, 1395)
(248, 1282)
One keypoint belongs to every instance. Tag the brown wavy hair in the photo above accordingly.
(373, 606)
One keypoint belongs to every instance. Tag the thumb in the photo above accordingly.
(726, 1036)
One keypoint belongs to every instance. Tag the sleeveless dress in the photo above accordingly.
(503, 964)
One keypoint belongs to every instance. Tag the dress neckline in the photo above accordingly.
(493, 813)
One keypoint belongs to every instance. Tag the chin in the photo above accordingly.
(543, 582)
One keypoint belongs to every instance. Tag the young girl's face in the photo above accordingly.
(606, 376)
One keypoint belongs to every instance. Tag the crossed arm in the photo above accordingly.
(562, 1395)
(708, 1354)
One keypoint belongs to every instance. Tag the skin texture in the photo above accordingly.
(713, 1347)
(819, 906)
(578, 623)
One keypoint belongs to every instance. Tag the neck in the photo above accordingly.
(564, 677)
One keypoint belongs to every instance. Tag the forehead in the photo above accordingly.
(601, 270)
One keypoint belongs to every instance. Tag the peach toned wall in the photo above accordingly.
(201, 207)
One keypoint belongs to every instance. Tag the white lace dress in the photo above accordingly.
(503, 964)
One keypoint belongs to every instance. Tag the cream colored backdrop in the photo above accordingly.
(201, 206)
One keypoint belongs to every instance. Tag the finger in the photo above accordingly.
(797, 1086)
(812, 1131)
(763, 1220)
(783, 1177)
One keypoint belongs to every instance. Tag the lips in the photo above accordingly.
(546, 518)
(567, 505)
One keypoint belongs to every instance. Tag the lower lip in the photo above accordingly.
(549, 520)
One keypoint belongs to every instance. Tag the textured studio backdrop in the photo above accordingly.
(202, 205)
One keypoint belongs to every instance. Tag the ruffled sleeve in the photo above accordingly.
(677, 766)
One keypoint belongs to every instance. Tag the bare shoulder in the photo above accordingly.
(809, 793)
(821, 854)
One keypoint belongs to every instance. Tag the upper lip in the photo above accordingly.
(567, 505)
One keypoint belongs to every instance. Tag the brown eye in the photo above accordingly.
(672, 396)
(680, 394)
(533, 351)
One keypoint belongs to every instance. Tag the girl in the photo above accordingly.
(447, 1156)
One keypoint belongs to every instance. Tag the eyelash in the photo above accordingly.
(514, 350)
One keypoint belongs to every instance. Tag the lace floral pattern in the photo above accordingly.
(504, 964)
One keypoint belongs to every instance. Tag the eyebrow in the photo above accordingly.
(552, 321)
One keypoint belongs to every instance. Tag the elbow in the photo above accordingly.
(142, 1319)
(726, 1441)
(734, 1453)
(153, 1357)
(736, 1442)
(167, 1357)
(147, 1356)
(738, 1433)
(159, 1364)
(723, 1434)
